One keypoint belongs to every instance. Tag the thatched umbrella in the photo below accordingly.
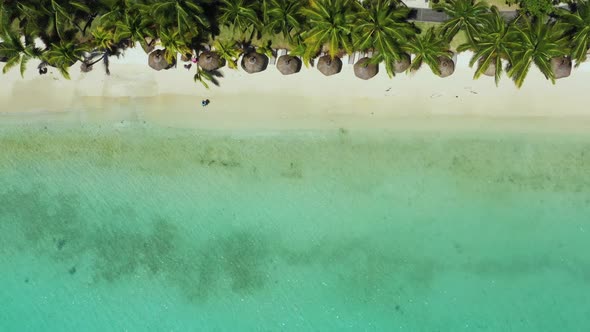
(157, 60)
(288, 64)
(446, 66)
(561, 66)
(210, 61)
(364, 69)
(402, 65)
(491, 70)
(254, 62)
(328, 66)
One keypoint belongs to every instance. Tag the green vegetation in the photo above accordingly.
(383, 27)
(91, 31)
(464, 15)
(535, 7)
(491, 46)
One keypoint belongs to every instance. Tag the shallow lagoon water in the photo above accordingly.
(143, 228)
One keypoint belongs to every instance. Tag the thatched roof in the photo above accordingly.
(491, 70)
(254, 62)
(157, 60)
(561, 66)
(364, 69)
(288, 64)
(446, 66)
(402, 65)
(329, 66)
(210, 61)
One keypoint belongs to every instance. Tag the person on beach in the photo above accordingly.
(188, 66)
(205, 102)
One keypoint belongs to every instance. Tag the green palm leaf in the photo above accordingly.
(535, 40)
(491, 44)
(331, 23)
(283, 16)
(428, 47)
(577, 24)
(17, 51)
(239, 14)
(11, 63)
(382, 26)
(464, 15)
(229, 52)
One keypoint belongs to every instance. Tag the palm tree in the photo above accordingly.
(331, 23)
(16, 52)
(39, 20)
(9, 12)
(53, 20)
(204, 76)
(240, 15)
(173, 45)
(431, 49)
(382, 25)
(81, 13)
(578, 24)
(186, 16)
(116, 11)
(65, 54)
(229, 52)
(283, 16)
(464, 15)
(65, 17)
(135, 27)
(106, 46)
(490, 45)
(536, 40)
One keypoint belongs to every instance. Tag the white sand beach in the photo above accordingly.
(305, 100)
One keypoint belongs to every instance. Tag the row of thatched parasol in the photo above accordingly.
(254, 62)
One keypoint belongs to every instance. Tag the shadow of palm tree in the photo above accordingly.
(215, 74)
(208, 76)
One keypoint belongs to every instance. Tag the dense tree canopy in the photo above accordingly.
(382, 25)
(464, 15)
(491, 45)
(535, 7)
(88, 31)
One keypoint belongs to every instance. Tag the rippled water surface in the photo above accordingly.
(181, 230)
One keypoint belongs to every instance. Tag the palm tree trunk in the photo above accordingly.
(88, 23)
(105, 62)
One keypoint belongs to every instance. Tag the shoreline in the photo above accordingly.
(261, 123)
(306, 100)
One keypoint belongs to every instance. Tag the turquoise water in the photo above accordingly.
(137, 229)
